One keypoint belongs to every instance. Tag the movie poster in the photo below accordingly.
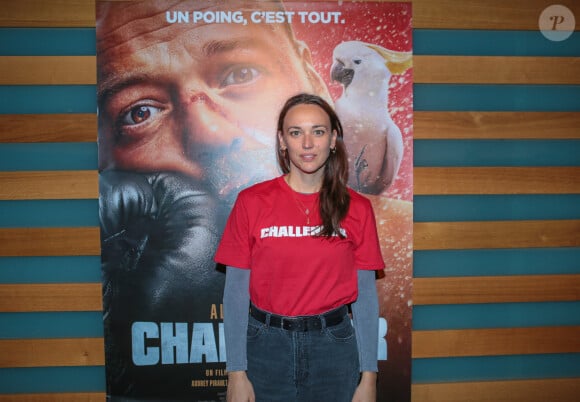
(188, 97)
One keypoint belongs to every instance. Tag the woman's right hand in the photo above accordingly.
(239, 388)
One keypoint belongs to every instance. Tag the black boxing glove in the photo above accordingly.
(159, 232)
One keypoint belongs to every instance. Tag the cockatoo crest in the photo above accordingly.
(396, 62)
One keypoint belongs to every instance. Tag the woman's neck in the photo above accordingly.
(305, 185)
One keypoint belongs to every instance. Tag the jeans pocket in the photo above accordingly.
(255, 329)
(342, 332)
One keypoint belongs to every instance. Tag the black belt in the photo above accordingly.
(303, 323)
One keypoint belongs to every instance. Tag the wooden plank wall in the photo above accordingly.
(497, 204)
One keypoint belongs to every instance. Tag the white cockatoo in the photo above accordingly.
(374, 142)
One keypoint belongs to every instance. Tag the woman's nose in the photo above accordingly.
(307, 142)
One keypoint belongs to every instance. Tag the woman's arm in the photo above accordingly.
(365, 311)
(236, 307)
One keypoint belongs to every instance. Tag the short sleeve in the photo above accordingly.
(234, 248)
(367, 252)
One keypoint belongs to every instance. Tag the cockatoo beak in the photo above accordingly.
(341, 74)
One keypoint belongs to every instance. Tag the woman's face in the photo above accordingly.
(308, 138)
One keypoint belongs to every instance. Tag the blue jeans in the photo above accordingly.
(311, 366)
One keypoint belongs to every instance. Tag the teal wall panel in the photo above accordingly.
(432, 97)
(492, 262)
(75, 379)
(435, 208)
(52, 379)
(49, 213)
(81, 42)
(73, 269)
(48, 99)
(454, 208)
(495, 98)
(495, 315)
(47, 42)
(51, 325)
(489, 368)
(438, 153)
(48, 156)
(434, 317)
(449, 42)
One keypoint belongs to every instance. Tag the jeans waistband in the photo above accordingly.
(302, 323)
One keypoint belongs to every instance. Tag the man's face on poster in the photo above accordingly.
(192, 97)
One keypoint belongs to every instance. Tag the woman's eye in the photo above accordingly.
(294, 133)
(319, 132)
(241, 75)
(139, 114)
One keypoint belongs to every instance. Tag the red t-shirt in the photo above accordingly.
(294, 272)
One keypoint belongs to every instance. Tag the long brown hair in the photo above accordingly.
(334, 198)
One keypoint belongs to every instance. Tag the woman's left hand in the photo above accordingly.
(367, 388)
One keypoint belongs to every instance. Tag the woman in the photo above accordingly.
(300, 249)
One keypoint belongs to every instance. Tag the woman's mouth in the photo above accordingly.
(308, 157)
